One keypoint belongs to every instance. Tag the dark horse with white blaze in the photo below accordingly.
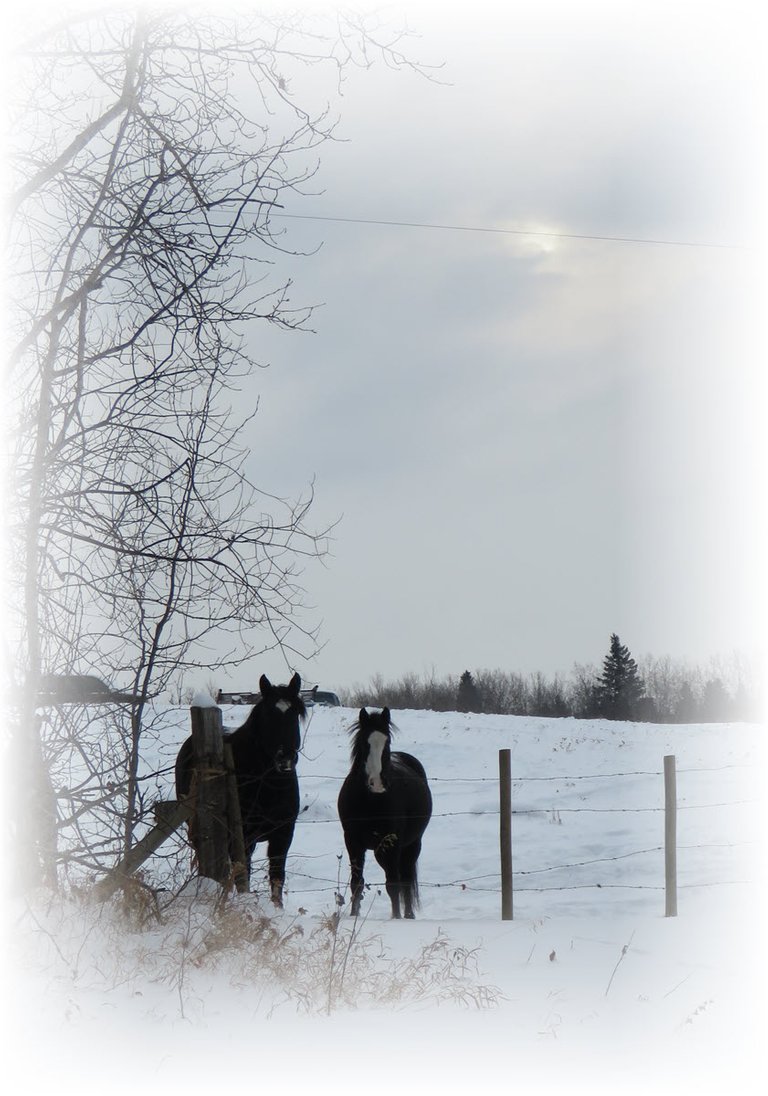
(265, 751)
(384, 805)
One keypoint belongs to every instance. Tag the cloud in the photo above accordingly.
(534, 440)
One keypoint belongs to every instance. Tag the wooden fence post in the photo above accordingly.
(169, 816)
(505, 832)
(210, 790)
(235, 822)
(670, 836)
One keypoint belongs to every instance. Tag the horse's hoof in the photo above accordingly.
(410, 916)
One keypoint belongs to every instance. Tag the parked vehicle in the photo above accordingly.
(237, 698)
(324, 697)
(80, 689)
(327, 699)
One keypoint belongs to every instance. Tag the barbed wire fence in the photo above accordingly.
(568, 874)
(525, 879)
(92, 843)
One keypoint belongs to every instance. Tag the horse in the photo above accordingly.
(265, 751)
(384, 805)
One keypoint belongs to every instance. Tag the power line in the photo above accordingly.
(511, 231)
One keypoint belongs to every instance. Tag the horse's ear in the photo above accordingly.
(295, 684)
(363, 716)
(265, 685)
(386, 716)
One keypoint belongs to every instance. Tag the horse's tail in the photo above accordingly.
(409, 884)
(415, 900)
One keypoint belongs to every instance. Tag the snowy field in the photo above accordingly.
(589, 989)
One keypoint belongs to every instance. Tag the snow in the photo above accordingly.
(203, 700)
(589, 989)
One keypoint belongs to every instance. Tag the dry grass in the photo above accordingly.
(329, 964)
(195, 945)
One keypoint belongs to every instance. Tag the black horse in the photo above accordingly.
(384, 805)
(265, 751)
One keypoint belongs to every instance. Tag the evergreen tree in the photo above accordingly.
(620, 687)
(716, 702)
(468, 698)
(686, 708)
(744, 706)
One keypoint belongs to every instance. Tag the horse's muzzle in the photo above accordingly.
(285, 763)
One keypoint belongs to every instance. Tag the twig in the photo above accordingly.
(334, 923)
(624, 951)
(679, 984)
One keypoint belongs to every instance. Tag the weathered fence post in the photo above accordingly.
(235, 822)
(670, 836)
(169, 816)
(210, 790)
(505, 832)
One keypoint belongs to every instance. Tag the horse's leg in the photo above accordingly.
(277, 850)
(356, 853)
(250, 848)
(408, 860)
(388, 856)
(393, 890)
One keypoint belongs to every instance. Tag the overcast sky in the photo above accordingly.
(531, 441)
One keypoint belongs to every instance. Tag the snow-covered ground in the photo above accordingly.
(589, 989)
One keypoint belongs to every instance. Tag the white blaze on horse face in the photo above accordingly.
(376, 743)
(283, 705)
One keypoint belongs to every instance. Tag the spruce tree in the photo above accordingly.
(620, 687)
(468, 697)
(686, 707)
(716, 702)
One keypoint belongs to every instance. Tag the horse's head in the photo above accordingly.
(370, 748)
(280, 712)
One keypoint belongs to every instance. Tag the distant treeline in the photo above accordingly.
(652, 690)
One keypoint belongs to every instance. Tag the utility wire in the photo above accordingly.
(512, 231)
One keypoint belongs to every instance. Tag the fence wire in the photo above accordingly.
(489, 882)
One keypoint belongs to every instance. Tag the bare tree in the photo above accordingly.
(152, 150)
